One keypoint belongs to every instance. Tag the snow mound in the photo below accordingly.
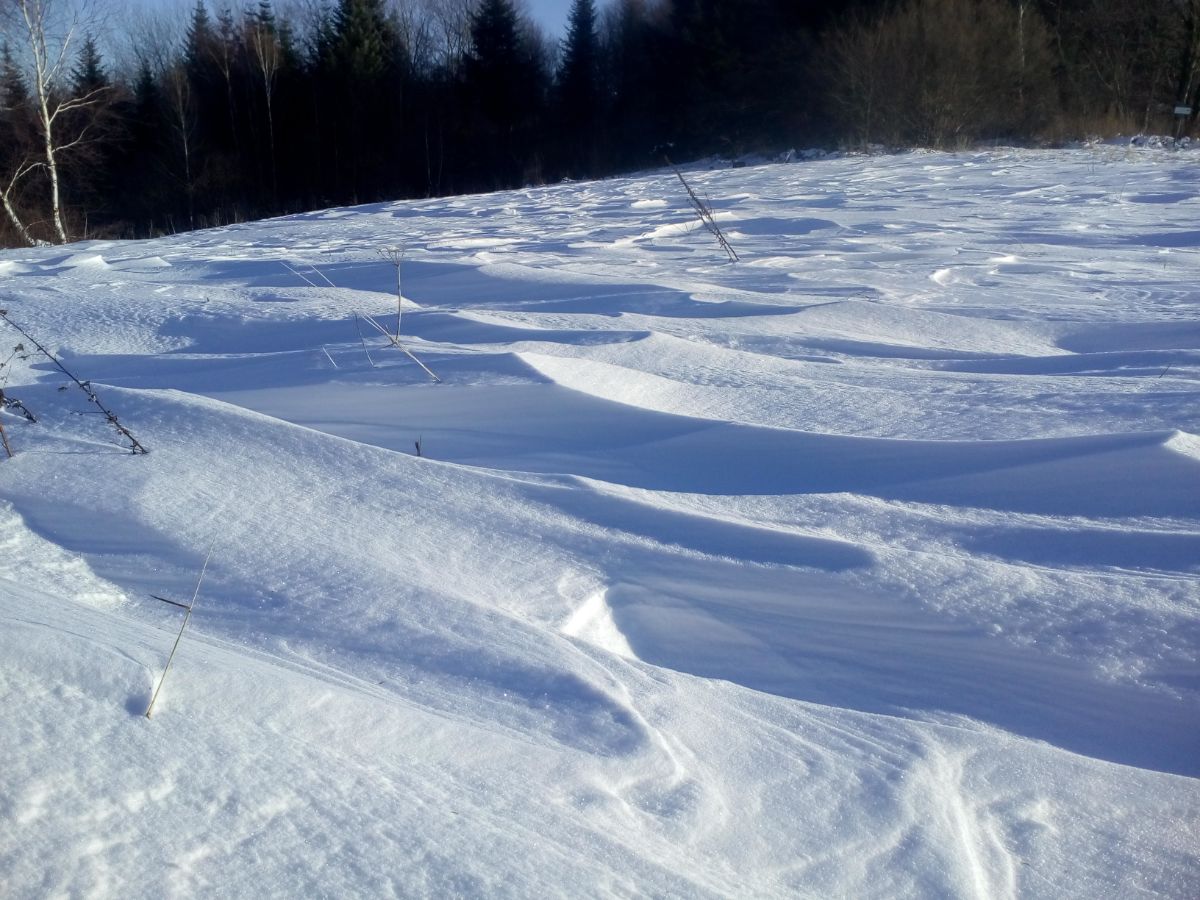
(864, 567)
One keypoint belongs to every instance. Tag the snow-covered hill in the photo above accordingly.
(868, 566)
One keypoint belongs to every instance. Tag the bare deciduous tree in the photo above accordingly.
(1187, 90)
(451, 28)
(22, 164)
(415, 27)
(940, 72)
(267, 57)
(182, 115)
(46, 32)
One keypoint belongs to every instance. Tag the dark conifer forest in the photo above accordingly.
(250, 111)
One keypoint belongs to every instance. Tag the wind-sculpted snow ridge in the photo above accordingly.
(868, 566)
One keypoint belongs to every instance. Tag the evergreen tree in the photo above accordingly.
(17, 149)
(633, 117)
(16, 117)
(359, 84)
(143, 184)
(364, 42)
(198, 41)
(578, 89)
(88, 77)
(578, 76)
(14, 91)
(87, 182)
(737, 75)
(248, 111)
(494, 62)
(504, 90)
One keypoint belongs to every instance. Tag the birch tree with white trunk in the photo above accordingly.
(45, 34)
(267, 58)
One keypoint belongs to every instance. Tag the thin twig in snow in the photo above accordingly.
(307, 280)
(704, 213)
(363, 341)
(322, 274)
(7, 402)
(85, 386)
(297, 274)
(179, 637)
(395, 343)
(395, 255)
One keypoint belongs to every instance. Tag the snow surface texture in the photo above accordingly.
(866, 567)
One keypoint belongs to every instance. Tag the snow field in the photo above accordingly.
(866, 567)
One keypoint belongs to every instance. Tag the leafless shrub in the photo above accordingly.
(395, 256)
(941, 73)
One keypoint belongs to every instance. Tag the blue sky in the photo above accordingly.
(551, 14)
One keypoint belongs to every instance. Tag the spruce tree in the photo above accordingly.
(16, 118)
(88, 76)
(198, 41)
(144, 190)
(364, 42)
(632, 114)
(360, 91)
(578, 89)
(579, 70)
(14, 91)
(503, 88)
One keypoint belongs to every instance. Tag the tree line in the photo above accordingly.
(241, 113)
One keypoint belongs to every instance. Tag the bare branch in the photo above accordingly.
(48, 30)
(86, 386)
